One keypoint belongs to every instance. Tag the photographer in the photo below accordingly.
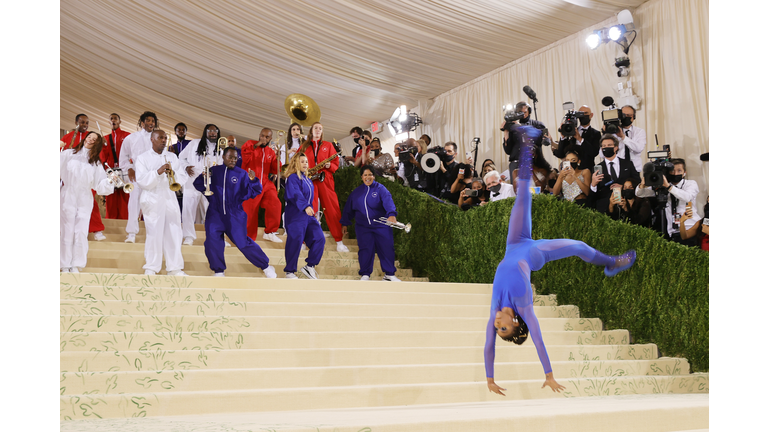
(512, 146)
(356, 132)
(474, 196)
(411, 164)
(362, 149)
(611, 173)
(632, 138)
(586, 139)
(628, 207)
(497, 190)
(681, 191)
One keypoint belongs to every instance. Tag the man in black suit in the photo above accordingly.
(615, 172)
(587, 140)
(512, 146)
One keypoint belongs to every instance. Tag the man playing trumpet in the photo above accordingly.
(155, 172)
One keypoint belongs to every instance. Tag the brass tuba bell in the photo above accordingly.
(302, 109)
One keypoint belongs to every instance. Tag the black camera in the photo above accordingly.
(512, 116)
(407, 152)
(655, 170)
(571, 120)
(612, 116)
(440, 152)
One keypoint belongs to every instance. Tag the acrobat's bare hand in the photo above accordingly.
(495, 388)
(550, 381)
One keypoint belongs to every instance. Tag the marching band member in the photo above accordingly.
(366, 204)
(181, 142)
(232, 142)
(297, 137)
(318, 150)
(162, 218)
(195, 155)
(231, 186)
(81, 171)
(301, 226)
(117, 203)
(134, 145)
(70, 140)
(260, 158)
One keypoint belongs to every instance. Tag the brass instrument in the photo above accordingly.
(302, 109)
(223, 143)
(276, 148)
(314, 172)
(207, 178)
(398, 225)
(115, 177)
(172, 178)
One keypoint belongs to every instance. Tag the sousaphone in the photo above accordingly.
(302, 109)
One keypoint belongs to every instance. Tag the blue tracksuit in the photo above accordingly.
(366, 204)
(299, 226)
(225, 214)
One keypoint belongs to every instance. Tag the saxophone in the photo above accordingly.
(314, 172)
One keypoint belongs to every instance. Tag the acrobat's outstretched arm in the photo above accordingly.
(490, 355)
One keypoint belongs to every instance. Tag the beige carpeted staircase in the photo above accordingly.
(199, 353)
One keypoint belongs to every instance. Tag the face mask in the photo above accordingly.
(584, 121)
(628, 193)
(675, 178)
(524, 120)
(376, 152)
(495, 188)
(626, 121)
(551, 183)
(706, 210)
(356, 140)
(609, 152)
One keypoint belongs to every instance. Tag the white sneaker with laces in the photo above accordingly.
(219, 274)
(149, 273)
(99, 236)
(309, 272)
(340, 247)
(188, 241)
(130, 238)
(272, 237)
(391, 278)
(365, 278)
(270, 272)
(291, 276)
(176, 273)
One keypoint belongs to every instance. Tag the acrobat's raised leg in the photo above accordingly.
(552, 250)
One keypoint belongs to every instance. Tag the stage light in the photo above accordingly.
(593, 40)
(616, 32)
(403, 121)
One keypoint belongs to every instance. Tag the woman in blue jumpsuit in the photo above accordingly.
(367, 203)
(300, 222)
(230, 186)
(512, 316)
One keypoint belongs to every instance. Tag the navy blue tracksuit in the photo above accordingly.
(299, 226)
(225, 215)
(367, 204)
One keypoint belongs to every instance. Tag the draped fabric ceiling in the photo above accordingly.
(233, 63)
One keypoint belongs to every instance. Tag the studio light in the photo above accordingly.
(617, 33)
(593, 41)
(403, 121)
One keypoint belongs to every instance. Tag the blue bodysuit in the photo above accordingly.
(512, 282)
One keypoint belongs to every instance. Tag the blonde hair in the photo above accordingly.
(294, 166)
(422, 146)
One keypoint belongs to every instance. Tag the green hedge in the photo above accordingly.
(663, 299)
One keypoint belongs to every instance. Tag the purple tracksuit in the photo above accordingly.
(299, 226)
(366, 204)
(225, 214)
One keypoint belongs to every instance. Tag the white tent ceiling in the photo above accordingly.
(233, 63)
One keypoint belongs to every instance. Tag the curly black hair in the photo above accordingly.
(519, 333)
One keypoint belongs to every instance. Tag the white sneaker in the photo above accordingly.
(176, 273)
(391, 278)
(226, 244)
(130, 238)
(304, 247)
(365, 278)
(219, 274)
(188, 241)
(309, 272)
(149, 272)
(272, 237)
(270, 272)
(74, 270)
(65, 270)
(291, 276)
(341, 248)
(99, 236)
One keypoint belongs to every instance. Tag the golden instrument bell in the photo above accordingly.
(302, 109)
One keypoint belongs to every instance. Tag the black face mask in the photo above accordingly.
(609, 152)
(357, 140)
(706, 210)
(626, 121)
(495, 188)
(524, 120)
(551, 183)
(376, 152)
(628, 193)
(584, 121)
(675, 178)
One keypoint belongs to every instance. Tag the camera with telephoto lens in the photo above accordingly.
(612, 116)
(571, 120)
(655, 170)
(512, 116)
(406, 153)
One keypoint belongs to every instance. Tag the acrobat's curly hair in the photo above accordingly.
(519, 334)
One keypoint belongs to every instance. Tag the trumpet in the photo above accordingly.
(398, 225)
(172, 178)
(207, 178)
(114, 177)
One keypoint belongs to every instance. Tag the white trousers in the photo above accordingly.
(193, 198)
(134, 210)
(73, 230)
(162, 220)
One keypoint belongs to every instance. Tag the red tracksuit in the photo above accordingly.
(263, 161)
(117, 203)
(95, 225)
(325, 190)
